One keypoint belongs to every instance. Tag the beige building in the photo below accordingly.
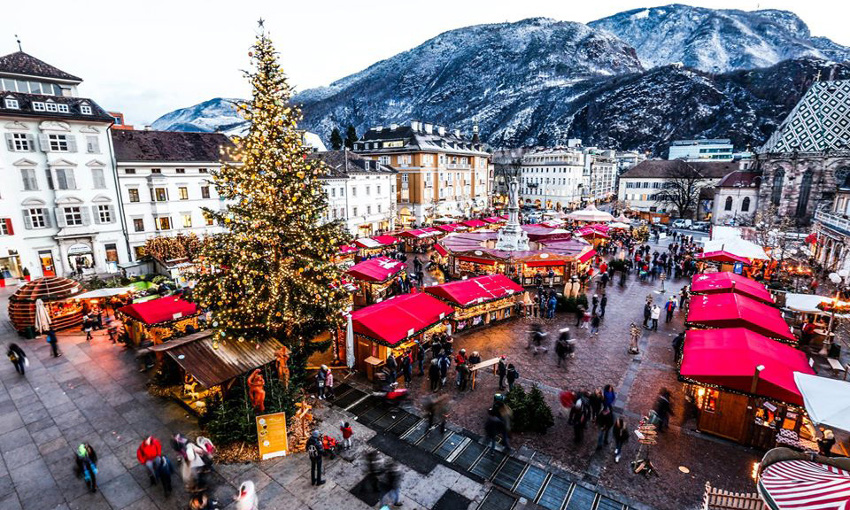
(640, 185)
(440, 171)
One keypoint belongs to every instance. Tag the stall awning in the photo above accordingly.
(375, 242)
(474, 223)
(439, 249)
(449, 228)
(385, 240)
(827, 400)
(713, 283)
(396, 319)
(810, 303)
(483, 262)
(104, 293)
(587, 256)
(475, 291)
(729, 357)
(345, 249)
(493, 219)
(545, 263)
(804, 485)
(415, 234)
(734, 310)
(379, 269)
(721, 256)
(160, 310)
(212, 365)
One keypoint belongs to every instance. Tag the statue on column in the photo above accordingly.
(256, 390)
(513, 197)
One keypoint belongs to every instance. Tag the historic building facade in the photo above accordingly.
(736, 199)
(552, 178)
(832, 231)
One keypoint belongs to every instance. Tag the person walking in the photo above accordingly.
(605, 420)
(553, 304)
(88, 326)
(502, 372)
(602, 304)
(54, 343)
(444, 363)
(86, 460)
(329, 384)
(494, 427)
(656, 314)
(512, 376)
(634, 337)
(164, 470)
(578, 419)
(594, 324)
(561, 345)
(246, 498)
(434, 374)
(579, 315)
(407, 369)
(621, 436)
(392, 369)
(594, 303)
(608, 396)
(347, 432)
(18, 358)
(315, 450)
(670, 307)
(460, 362)
(148, 453)
(392, 480)
(663, 409)
(647, 314)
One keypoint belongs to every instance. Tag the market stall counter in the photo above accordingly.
(478, 301)
(374, 279)
(56, 293)
(159, 319)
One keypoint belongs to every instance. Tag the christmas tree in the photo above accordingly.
(271, 273)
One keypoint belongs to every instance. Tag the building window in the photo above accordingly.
(354, 211)
(133, 193)
(97, 177)
(104, 214)
(37, 106)
(138, 224)
(19, 142)
(85, 109)
(379, 208)
(187, 220)
(156, 170)
(63, 108)
(745, 205)
(6, 227)
(65, 178)
(205, 192)
(354, 192)
(163, 223)
(333, 192)
(368, 190)
(805, 191)
(183, 192)
(378, 189)
(776, 192)
(728, 206)
(129, 171)
(180, 170)
(12, 103)
(368, 209)
(159, 194)
(37, 217)
(202, 170)
(59, 143)
(208, 219)
(73, 216)
(92, 144)
(28, 176)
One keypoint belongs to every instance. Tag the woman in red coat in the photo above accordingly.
(147, 454)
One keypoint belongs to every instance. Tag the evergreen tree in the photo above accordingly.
(350, 136)
(271, 273)
(336, 140)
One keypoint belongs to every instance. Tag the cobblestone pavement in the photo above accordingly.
(601, 360)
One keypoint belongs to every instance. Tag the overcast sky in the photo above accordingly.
(162, 55)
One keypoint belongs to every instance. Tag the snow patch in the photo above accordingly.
(641, 15)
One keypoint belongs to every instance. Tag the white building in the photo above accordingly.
(600, 174)
(164, 182)
(736, 199)
(701, 150)
(552, 178)
(59, 210)
(360, 192)
(639, 186)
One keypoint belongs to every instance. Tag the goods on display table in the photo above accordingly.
(478, 301)
(540, 264)
(374, 245)
(743, 386)
(724, 282)
(731, 310)
(54, 292)
(344, 256)
(159, 319)
(374, 277)
(477, 263)
(392, 327)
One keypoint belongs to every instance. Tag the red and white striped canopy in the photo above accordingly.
(805, 485)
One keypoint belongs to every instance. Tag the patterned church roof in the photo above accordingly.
(820, 121)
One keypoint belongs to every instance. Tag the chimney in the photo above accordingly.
(441, 130)
(457, 133)
(393, 127)
(414, 125)
(379, 128)
(429, 128)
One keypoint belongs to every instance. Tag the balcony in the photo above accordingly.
(837, 222)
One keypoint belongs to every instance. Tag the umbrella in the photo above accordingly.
(827, 400)
(349, 343)
(591, 214)
(42, 318)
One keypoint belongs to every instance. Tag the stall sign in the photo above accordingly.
(271, 435)
(79, 249)
(738, 268)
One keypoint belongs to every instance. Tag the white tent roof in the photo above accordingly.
(103, 293)
(590, 214)
(827, 400)
(808, 303)
(737, 246)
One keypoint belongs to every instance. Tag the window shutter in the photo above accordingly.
(44, 142)
(31, 143)
(9, 226)
(72, 143)
(112, 218)
(48, 217)
(85, 215)
(95, 215)
(27, 221)
(10, 142)
(69, 177)
(60, 217)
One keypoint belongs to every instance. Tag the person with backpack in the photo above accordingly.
(315, 451)
(148, 453)
(86, 460)
(18, 358)
(512, 376)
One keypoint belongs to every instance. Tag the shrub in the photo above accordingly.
(531, 413)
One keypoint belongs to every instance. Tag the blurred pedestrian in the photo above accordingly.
(621, 436)
(392, 481)
(18, 358)
(602, 304)
(246, 498)
(434, 374)
(594, 324)
(605, 420)
(164, 469)
(54, 343)
(502, 372)
(512, 376)
(663, 409)
(86, 460)
(148, 453)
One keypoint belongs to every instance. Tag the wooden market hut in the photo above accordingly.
(474, 224)
(210, 368)
(732, 310)
(478, 301)
(55, 292)
(344, 256)
(374, 277)
(743, 386)
(159, 319)
(391, 327)
(720, 283)
(724, 260)
(374, 245)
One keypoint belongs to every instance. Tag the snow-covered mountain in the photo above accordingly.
(718, 40)
(217, 114)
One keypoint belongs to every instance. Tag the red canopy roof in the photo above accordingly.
(729, 357)
(493, 219)
(713, 283)
(416, 233)
(346, 248)
(385, 240)
(587, 256)
(721, 256)
(474, 223)
(396, 319)
(731, 310)
(378, 269)
(442, 251)
(451, 227)
(160, 310)
(474, 291)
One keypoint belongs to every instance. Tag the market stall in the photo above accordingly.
(474, 224)
(477, 263)
(209, 368)
(374, 279)
(159, 319)
(344, 256)
(731, 310)
(418, 240)
(590, 215)
(724, 282)
(54, 292)
(392, 327)
(451, 227)
(743, 386)
(478, 301)
(721, 259)
(374, 245)
(539, 264)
